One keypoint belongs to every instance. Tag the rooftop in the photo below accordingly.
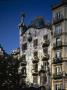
(63, 2)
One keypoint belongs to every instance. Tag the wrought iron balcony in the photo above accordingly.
(36, 59)
(57, 45)
(60, 75)
(57, 76)
(46, 57)
(34, 72)
(46, 43)
(57, 33)
(57, 60)
(58, 19)
(60, 88)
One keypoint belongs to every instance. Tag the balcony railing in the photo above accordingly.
(57, 33)
(57, 45)
(57, 76)
(60, 89)
(60, 75)
(46, 57)
(36, 59)
(58, 19)
(57, 60)
(46, 43)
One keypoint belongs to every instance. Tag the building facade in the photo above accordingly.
(35, 52)
(59, 46)
(43, 51)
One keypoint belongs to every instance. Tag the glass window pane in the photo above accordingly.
(58, 53)
(58, 29)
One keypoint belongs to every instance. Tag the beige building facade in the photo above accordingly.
(59, 46)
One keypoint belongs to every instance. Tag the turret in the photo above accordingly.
(22, 25)
(22, 59)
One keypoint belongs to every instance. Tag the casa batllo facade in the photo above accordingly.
(35, 50)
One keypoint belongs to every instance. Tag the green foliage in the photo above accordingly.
(8, 72)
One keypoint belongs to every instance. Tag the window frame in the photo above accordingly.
(58, 41)
(58, 29)
(58, 70)
(35, 43)
(24, 46)
(58, 86)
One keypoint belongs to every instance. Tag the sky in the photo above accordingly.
(10, 12)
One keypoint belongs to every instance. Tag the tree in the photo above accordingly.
(8, 73)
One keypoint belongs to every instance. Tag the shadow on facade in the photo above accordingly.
(35, 88)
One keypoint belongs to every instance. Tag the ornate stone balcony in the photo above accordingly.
(46, 43)
(34, 72)
(46, 57)
(42, 70)
(36, 59)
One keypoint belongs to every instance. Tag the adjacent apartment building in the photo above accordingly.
(59, 46)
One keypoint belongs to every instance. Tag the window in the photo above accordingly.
(35, 80)
(35, 42)
(58, 53)
(58, 87)
(24, 57)
(35, 67)
(45, 37)
(35, 53)
(58, 70)
(24, 38)
(45, 50)
(58, 15)
(23, 70)
(44, 65)
(57, 29)
(58, 41)
(24, 46)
